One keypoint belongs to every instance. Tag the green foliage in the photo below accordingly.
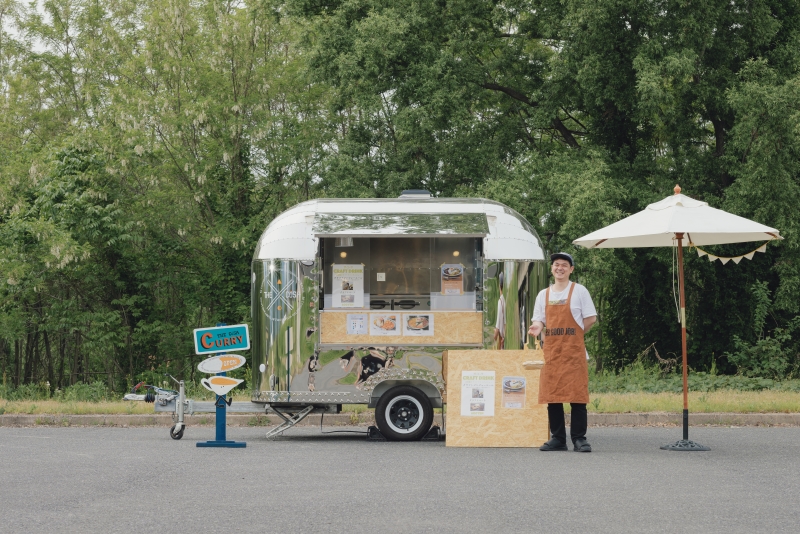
(577, 114)
(762, 302)
(143, 150)
(94, 392)
(634, 379)
(197, 391)
(160, 145)
(25, 392)
(775, 355)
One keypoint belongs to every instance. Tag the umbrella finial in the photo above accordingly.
(677, 189)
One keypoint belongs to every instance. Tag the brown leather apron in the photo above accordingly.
(565, 375)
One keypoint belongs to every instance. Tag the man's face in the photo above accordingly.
(561, 270)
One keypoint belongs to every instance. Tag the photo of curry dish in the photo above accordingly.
(452, 272)
(418, 322)
(513, 385)
(386, 323)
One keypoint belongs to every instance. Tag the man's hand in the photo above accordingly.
(536, 328)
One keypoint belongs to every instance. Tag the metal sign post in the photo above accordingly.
(222, 425)
(206, 341)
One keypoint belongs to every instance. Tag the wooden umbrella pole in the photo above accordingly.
(683, 338)
(684, 444)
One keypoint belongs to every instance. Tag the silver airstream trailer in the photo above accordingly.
(354, 301)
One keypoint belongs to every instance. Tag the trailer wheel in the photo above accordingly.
(178, 434)
(404, 413)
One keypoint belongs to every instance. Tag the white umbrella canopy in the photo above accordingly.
(674, 222)
(658, 224)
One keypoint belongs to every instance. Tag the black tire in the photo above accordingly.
(176, 435)
(404, 413)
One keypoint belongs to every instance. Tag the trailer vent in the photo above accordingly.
(415, 193)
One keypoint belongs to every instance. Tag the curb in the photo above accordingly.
(165, 420)
(367, 418)
(695, 419)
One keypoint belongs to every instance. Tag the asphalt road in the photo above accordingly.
(140, 480)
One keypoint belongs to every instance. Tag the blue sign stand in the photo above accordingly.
(222, 424)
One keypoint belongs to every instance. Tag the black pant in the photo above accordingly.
(577, 426)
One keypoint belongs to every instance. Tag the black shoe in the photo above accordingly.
(554, 445)
(581, 445)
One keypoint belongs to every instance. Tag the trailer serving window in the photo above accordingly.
(377, 261)
(425, 273)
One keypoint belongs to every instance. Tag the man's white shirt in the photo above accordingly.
(581, 305)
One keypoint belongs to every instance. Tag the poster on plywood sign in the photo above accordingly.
(348, 286)
(477, 393)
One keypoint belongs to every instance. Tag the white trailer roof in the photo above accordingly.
(295, 233)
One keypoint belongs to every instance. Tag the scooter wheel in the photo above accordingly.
(178, 434)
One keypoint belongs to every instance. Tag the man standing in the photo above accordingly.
(567, 311)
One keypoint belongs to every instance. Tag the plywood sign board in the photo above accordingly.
(398, 328)
(492, 400)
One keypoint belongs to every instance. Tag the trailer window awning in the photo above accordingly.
(400, 224)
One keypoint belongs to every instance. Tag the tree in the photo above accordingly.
(161, 143)
(577, 114)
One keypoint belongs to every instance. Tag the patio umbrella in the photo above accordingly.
(679, 221)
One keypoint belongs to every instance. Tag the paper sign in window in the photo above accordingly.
(452, 279)
(348, 286)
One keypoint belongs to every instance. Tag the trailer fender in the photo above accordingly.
(426, 387)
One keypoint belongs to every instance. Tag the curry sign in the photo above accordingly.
(222, 338)
(207, 341)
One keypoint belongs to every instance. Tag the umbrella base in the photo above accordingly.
(684, 445)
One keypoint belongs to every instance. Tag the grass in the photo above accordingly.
(75, 408)
(720, 401)
(59, 407)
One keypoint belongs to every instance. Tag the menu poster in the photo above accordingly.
(384, 324)
(477, 393)
(452, 279)
(514, 392)
(348, 286)
(417, 324)
(356, 323)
